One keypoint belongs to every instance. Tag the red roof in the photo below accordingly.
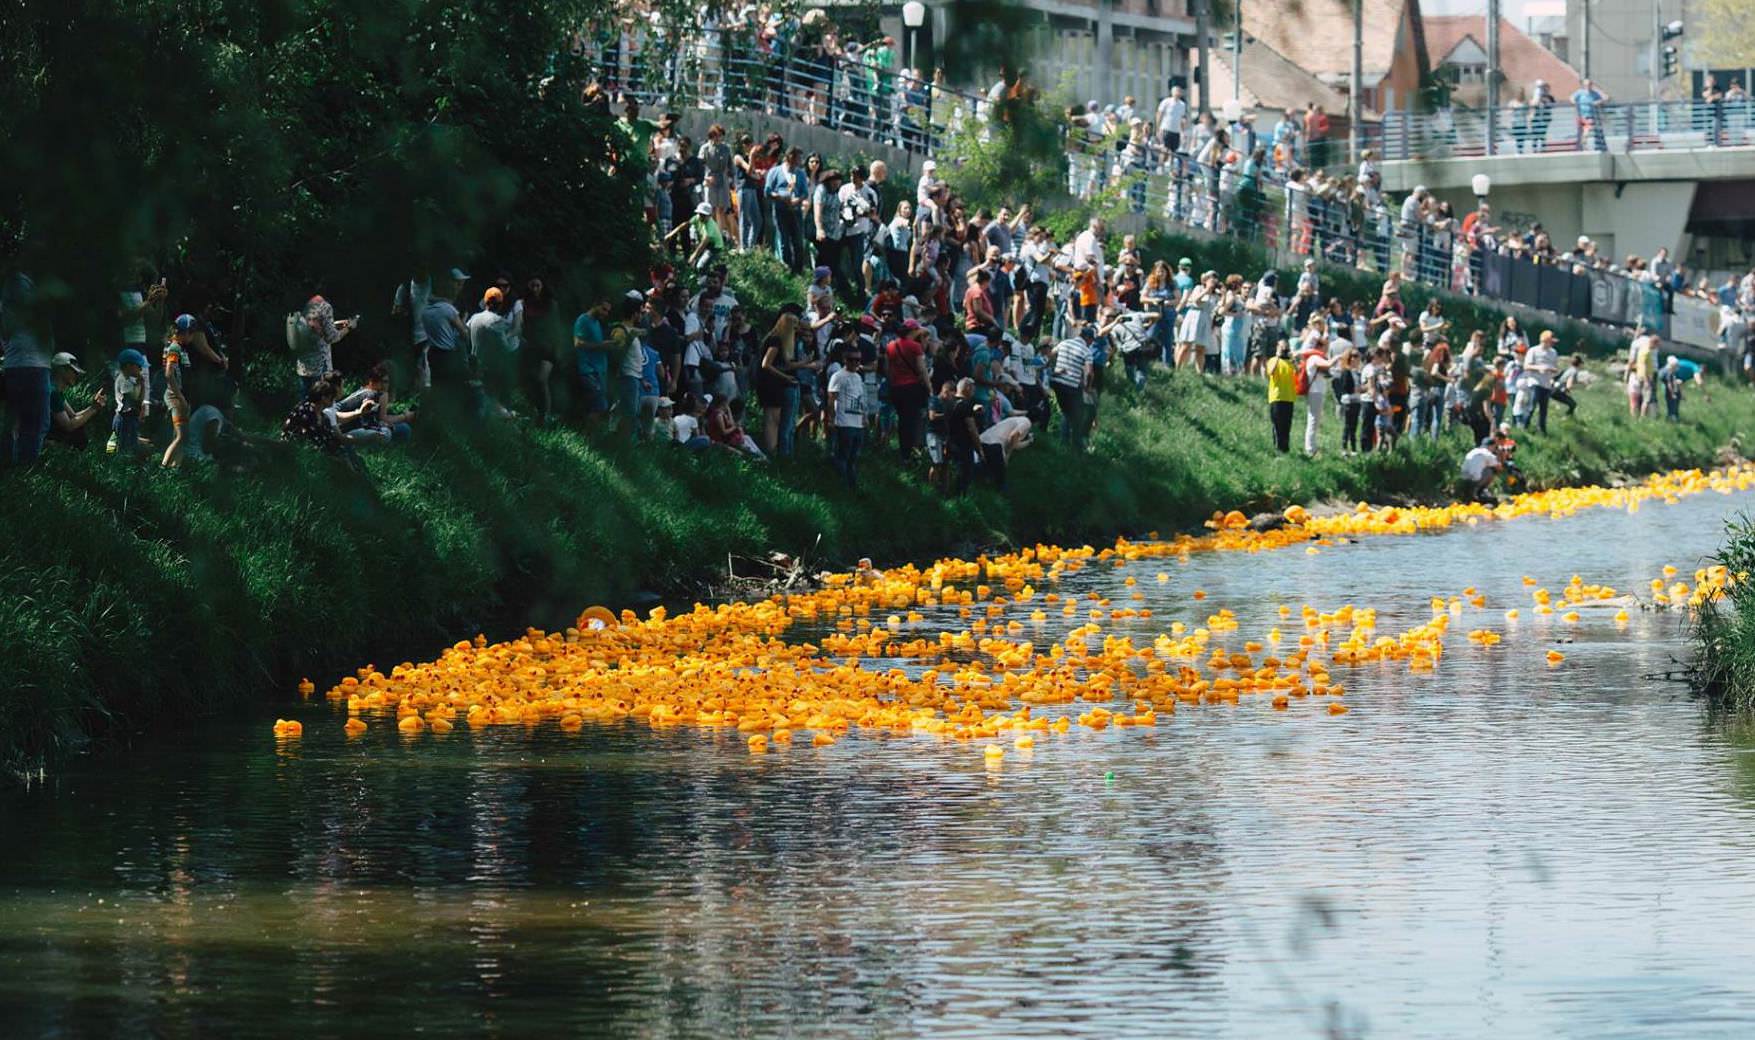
(1522, 59)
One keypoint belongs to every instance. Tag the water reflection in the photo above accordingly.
(1498, 848)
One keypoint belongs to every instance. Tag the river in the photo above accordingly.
(1500, 847)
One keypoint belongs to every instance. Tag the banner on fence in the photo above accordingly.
(1694, 322)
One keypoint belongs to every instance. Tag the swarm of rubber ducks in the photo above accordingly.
(873, 660)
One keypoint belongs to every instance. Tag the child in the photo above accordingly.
(1386, 425)
(131, 404)
(1345, 385)
(1523, 403)
(176, 404)
(938, 407)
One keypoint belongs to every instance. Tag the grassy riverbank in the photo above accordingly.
(131, 595)
(1724, 669)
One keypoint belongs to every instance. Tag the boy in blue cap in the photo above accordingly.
(131, 403)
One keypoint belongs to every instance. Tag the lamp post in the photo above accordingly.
(913, 16)
(1481, 183)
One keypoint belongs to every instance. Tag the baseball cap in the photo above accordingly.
(493, 295)
(634, 294)
(1185, 262)
(185, 323)
(66, 360)
(131, 357)
(459, 274)
(866, 321)
(911, 325)
(928, 166)
(704, 209)
(823, 272)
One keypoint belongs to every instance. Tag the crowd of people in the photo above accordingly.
(954, 332)
(1289, 187)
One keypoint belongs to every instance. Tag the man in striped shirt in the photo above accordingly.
(1072, 361)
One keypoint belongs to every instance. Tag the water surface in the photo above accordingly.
(1498, 848)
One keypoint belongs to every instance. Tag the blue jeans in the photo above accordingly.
(628, 400)
(27, 398)
(788, 419)
(848, 440)
(749, 217)
(126, 427)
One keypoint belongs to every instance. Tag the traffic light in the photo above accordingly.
(1671, 55)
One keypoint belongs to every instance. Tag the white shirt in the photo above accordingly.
(1478, 463)
(1172, 115)
(1541, 363)
(722, 307)
(1086, 248)
(487, 333)
(849, 391)
(684, 428)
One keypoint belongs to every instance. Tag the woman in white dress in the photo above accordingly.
(1194, 337)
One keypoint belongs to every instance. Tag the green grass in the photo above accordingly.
(129, 595)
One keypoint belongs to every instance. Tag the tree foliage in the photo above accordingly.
(260, 150)
(1723, 34)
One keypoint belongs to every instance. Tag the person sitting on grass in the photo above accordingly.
(307, 423)
(724, 427)
(67, 424)
(688, 427)
(364, 416)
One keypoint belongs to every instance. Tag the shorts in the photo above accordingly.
(770, 390)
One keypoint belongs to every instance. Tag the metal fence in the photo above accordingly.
(1552, 129)
(853, 96)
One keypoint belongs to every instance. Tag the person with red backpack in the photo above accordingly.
(1310, 379)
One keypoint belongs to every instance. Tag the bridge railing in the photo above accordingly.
(733, 72)
(1558, 128)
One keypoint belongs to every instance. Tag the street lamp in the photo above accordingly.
(913, 16)
(1482, 184)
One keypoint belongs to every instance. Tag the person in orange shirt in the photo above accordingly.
(1090, 291)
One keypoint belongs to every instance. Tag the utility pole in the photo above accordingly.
(1492, 74)
(1584, 37)
(1106, 53)
(1356, 106)
(1201, 18)
(1237, 52)
(1657, 48)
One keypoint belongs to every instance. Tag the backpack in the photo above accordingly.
(1301, 374)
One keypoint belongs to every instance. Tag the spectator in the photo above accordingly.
(364, 416)
(67, 424)
(847, 406)
(29, 347)
(1281, 392)
(313, 339)
(1072, 376)
(447, 336)
(132, 388)
(307, 423)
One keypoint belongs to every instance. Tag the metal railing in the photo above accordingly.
(850, 94)
(1558, 128)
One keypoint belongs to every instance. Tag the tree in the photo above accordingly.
(1723, 33)
(265, 149)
